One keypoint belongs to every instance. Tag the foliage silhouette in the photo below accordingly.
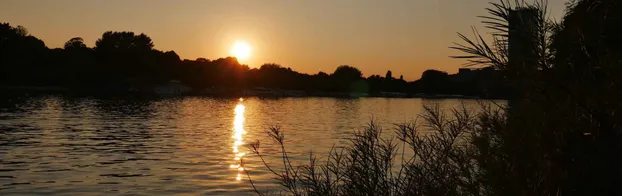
(121, 61)
(559, 135)
(75, 43)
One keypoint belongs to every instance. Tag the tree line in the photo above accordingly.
(123, 60)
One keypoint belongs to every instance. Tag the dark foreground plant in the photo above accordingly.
(560, 135)
(431, 156)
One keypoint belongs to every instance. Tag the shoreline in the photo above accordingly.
(228, 94)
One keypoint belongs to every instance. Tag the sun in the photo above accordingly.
(241, 50)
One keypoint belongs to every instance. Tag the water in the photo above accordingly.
(55, 145)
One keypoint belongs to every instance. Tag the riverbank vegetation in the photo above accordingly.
(121, 62)
(560, 133)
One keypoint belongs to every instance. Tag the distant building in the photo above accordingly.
(173, 87)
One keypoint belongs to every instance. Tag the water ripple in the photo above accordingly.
(53, 145)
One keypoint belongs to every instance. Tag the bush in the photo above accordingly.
(435, 157)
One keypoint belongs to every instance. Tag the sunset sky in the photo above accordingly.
(404, 36)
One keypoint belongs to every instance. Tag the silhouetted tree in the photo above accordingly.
(21, 31)
(376, 84)
(22, 56)
(347, 77)
(389, 76)
(77, 62)
(166, 66)
(123, 60)
(202, 60)
(75, 43)
(347, 72)
(125, 57)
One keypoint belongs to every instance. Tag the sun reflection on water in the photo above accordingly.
(238, 133)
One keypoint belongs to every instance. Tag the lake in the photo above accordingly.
(60, 145)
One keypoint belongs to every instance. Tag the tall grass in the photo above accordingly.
(433, 155)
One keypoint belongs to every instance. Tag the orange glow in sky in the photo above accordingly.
(404, 36)
(241, 50)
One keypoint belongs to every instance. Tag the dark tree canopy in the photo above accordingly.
(433, 75)
(389, 75)
(124, 41)
(75, 43)
(125, 60)
(21, 31)
(347, 72)
(22, 56)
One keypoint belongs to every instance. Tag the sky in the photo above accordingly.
(404, 36)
